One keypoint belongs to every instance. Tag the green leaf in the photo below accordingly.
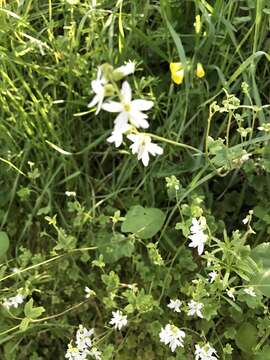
(114, 247)
(246, 337)
(4, 243)
(31, 312)
(261, 255)
(24, 324)
(144, 222)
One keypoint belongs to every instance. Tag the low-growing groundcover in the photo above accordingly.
(135, 184)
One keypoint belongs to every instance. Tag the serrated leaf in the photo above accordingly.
(4, 243)
(144, 222)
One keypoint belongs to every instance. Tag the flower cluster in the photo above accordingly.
(13, 301)
(83, 348)
(131, 113)
(198, 237)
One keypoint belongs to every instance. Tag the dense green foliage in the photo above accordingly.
(124, 231)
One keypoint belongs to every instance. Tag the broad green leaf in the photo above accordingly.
(114, 247)
(4, 243)
(144, 222)
(246, 337)
(32, 312)
(261, 255)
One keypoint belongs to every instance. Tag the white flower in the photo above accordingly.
(195, 308)
(142, 146)
(230, 293)
(129, 110)
(70, 193)
(126, 69)
(98, 86)
(175, 305)
(117, 133)
(74, 354)
(250, 291)
(13, 301)
(172, 336)
(212, 276)
(205, 352)
(197, 237)
(118, 320)
(95, 353)
(88, 292)
(83, 338)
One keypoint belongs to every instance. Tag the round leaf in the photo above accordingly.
(4, 243)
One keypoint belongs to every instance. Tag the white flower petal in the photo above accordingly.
(97, 86)
(94, 101)
(112, 106)
(138, 119)
(142, 105)
(145, 158)
(126, 92)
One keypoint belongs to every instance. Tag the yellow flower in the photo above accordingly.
(177, 72)
(200, 71)
(197, 24)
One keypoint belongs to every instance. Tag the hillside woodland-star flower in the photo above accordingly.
(142, 146)
(128, 109)
(98, 86)
(172, 336)
(118, 320)
(197, 237)
(175, 305)
(205, 352)
(195, 308)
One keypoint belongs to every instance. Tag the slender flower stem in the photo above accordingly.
(160, 138)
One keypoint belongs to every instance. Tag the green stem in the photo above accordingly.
(160, 138)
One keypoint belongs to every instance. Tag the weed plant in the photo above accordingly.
(105, 256)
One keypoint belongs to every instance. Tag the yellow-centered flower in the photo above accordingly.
(177, 72)
(200, 71)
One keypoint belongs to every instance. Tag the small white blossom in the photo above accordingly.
(88, 292)
(230, 293)
(13, 301)
(70, 193)
(118, 320)
(126, 69)
(195, 308)
(212, 276)
(197, 237)
(142, 146)
(175, 305)
(83, 338)
(128, 109)
(172, 336)
(73, 353)
(95, 353)
(250, 291)
(205, 352)
(117, 134)
(98, 86)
